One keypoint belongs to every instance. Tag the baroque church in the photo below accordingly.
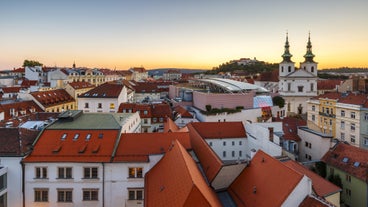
(297, 85)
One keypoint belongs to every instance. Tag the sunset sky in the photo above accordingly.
(197, 34)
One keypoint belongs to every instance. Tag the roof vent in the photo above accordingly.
(254, 189)
(162, 188)
(76, 136)
(263, 159)
(63, 137)
(100, 135)
(88, 137)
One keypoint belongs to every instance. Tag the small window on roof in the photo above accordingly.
(76, 136)
(100, 136)
(88, 137)
(356, 164)
(345, 159)
(63, 137)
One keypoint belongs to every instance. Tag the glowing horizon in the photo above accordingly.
(180, 34)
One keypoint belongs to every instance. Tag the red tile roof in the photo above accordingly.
(29, 107)
(345, 157)
(328, 84)
(170, 126)
(136, 147)
(321, 187)
(16, 141)
(19, 70)
(265, 182)
(11, 89)
(50, 147)
(211, 163)
(347, 98)
(160, 110)
(213, 130)
(28, 83)
(80, 85)
(182, 111)
(138, 69)
(290, 128)
(312, 202)
(52, 97)
(106, 90)
(182, 185)
(270, 76)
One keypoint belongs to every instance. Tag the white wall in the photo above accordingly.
(239, 148)
(14, 179)
(258, 138)
(300, 192)
(52, 183)
(319, 144)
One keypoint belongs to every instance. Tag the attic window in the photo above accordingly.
(88, 137)
(100, 136)
(63, 137)
(76, 136)
(356, 164)
(345, 160)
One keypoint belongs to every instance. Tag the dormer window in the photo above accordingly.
(345, 160)
(63, 137)
(76, 136)
(88, 137)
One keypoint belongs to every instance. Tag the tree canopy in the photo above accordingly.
(257, 67)
(31, 63)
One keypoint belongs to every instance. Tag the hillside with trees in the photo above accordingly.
(253, 68)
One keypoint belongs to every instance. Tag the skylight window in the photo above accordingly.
(63, 137)
(88, 137)
(76, 136)
(345, 160)
(356, 164)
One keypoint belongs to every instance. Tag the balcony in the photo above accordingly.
(327, 115)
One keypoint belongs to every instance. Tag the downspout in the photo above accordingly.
(103, 184)
(23, 183)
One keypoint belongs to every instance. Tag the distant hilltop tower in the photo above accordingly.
(297, 86)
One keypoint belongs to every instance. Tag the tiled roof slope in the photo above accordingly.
(347, 98)
(269, 178)
(136, 147)
(182, 111)
(16, 141)
(270, 76)
(290, 128)
(52, 147)
(210, 162)
(355, 162)
(106, 90)
(213, 130)
(160, 110)
(80, 85)
(53, 97)
(14, 89)
(313, 202)
(182, 185)
(170, 126)
(29, 107)
(320, 186)
(329, 84)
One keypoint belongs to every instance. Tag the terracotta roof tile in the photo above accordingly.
(182, 185)
(138, 69)
(290, 128)
(106, 90)
(350, 159)
(170, 126)
(28, 83)
(211, 163)
(328, 84)
(80, 85)
(312, 202)
(16, 141)
(130, 147)
(270, 76)
(272, 181)
(182, 111)
(212, 130)
(29, 107)
(52, 97)
(321, 187)
(160, 110)
(347, 98)
(11, 89)
(52, 147)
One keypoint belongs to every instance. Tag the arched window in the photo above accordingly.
(289, 69)
(282, 69)
(312, 69)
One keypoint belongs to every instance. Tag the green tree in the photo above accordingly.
(278, 101)
(321, 169)
(31, 63)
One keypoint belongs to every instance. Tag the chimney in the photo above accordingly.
(270, 130)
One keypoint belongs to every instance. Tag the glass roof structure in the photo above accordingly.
(233, 86)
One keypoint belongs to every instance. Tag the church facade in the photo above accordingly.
(297, 85)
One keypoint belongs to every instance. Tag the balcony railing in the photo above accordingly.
(328, 115)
